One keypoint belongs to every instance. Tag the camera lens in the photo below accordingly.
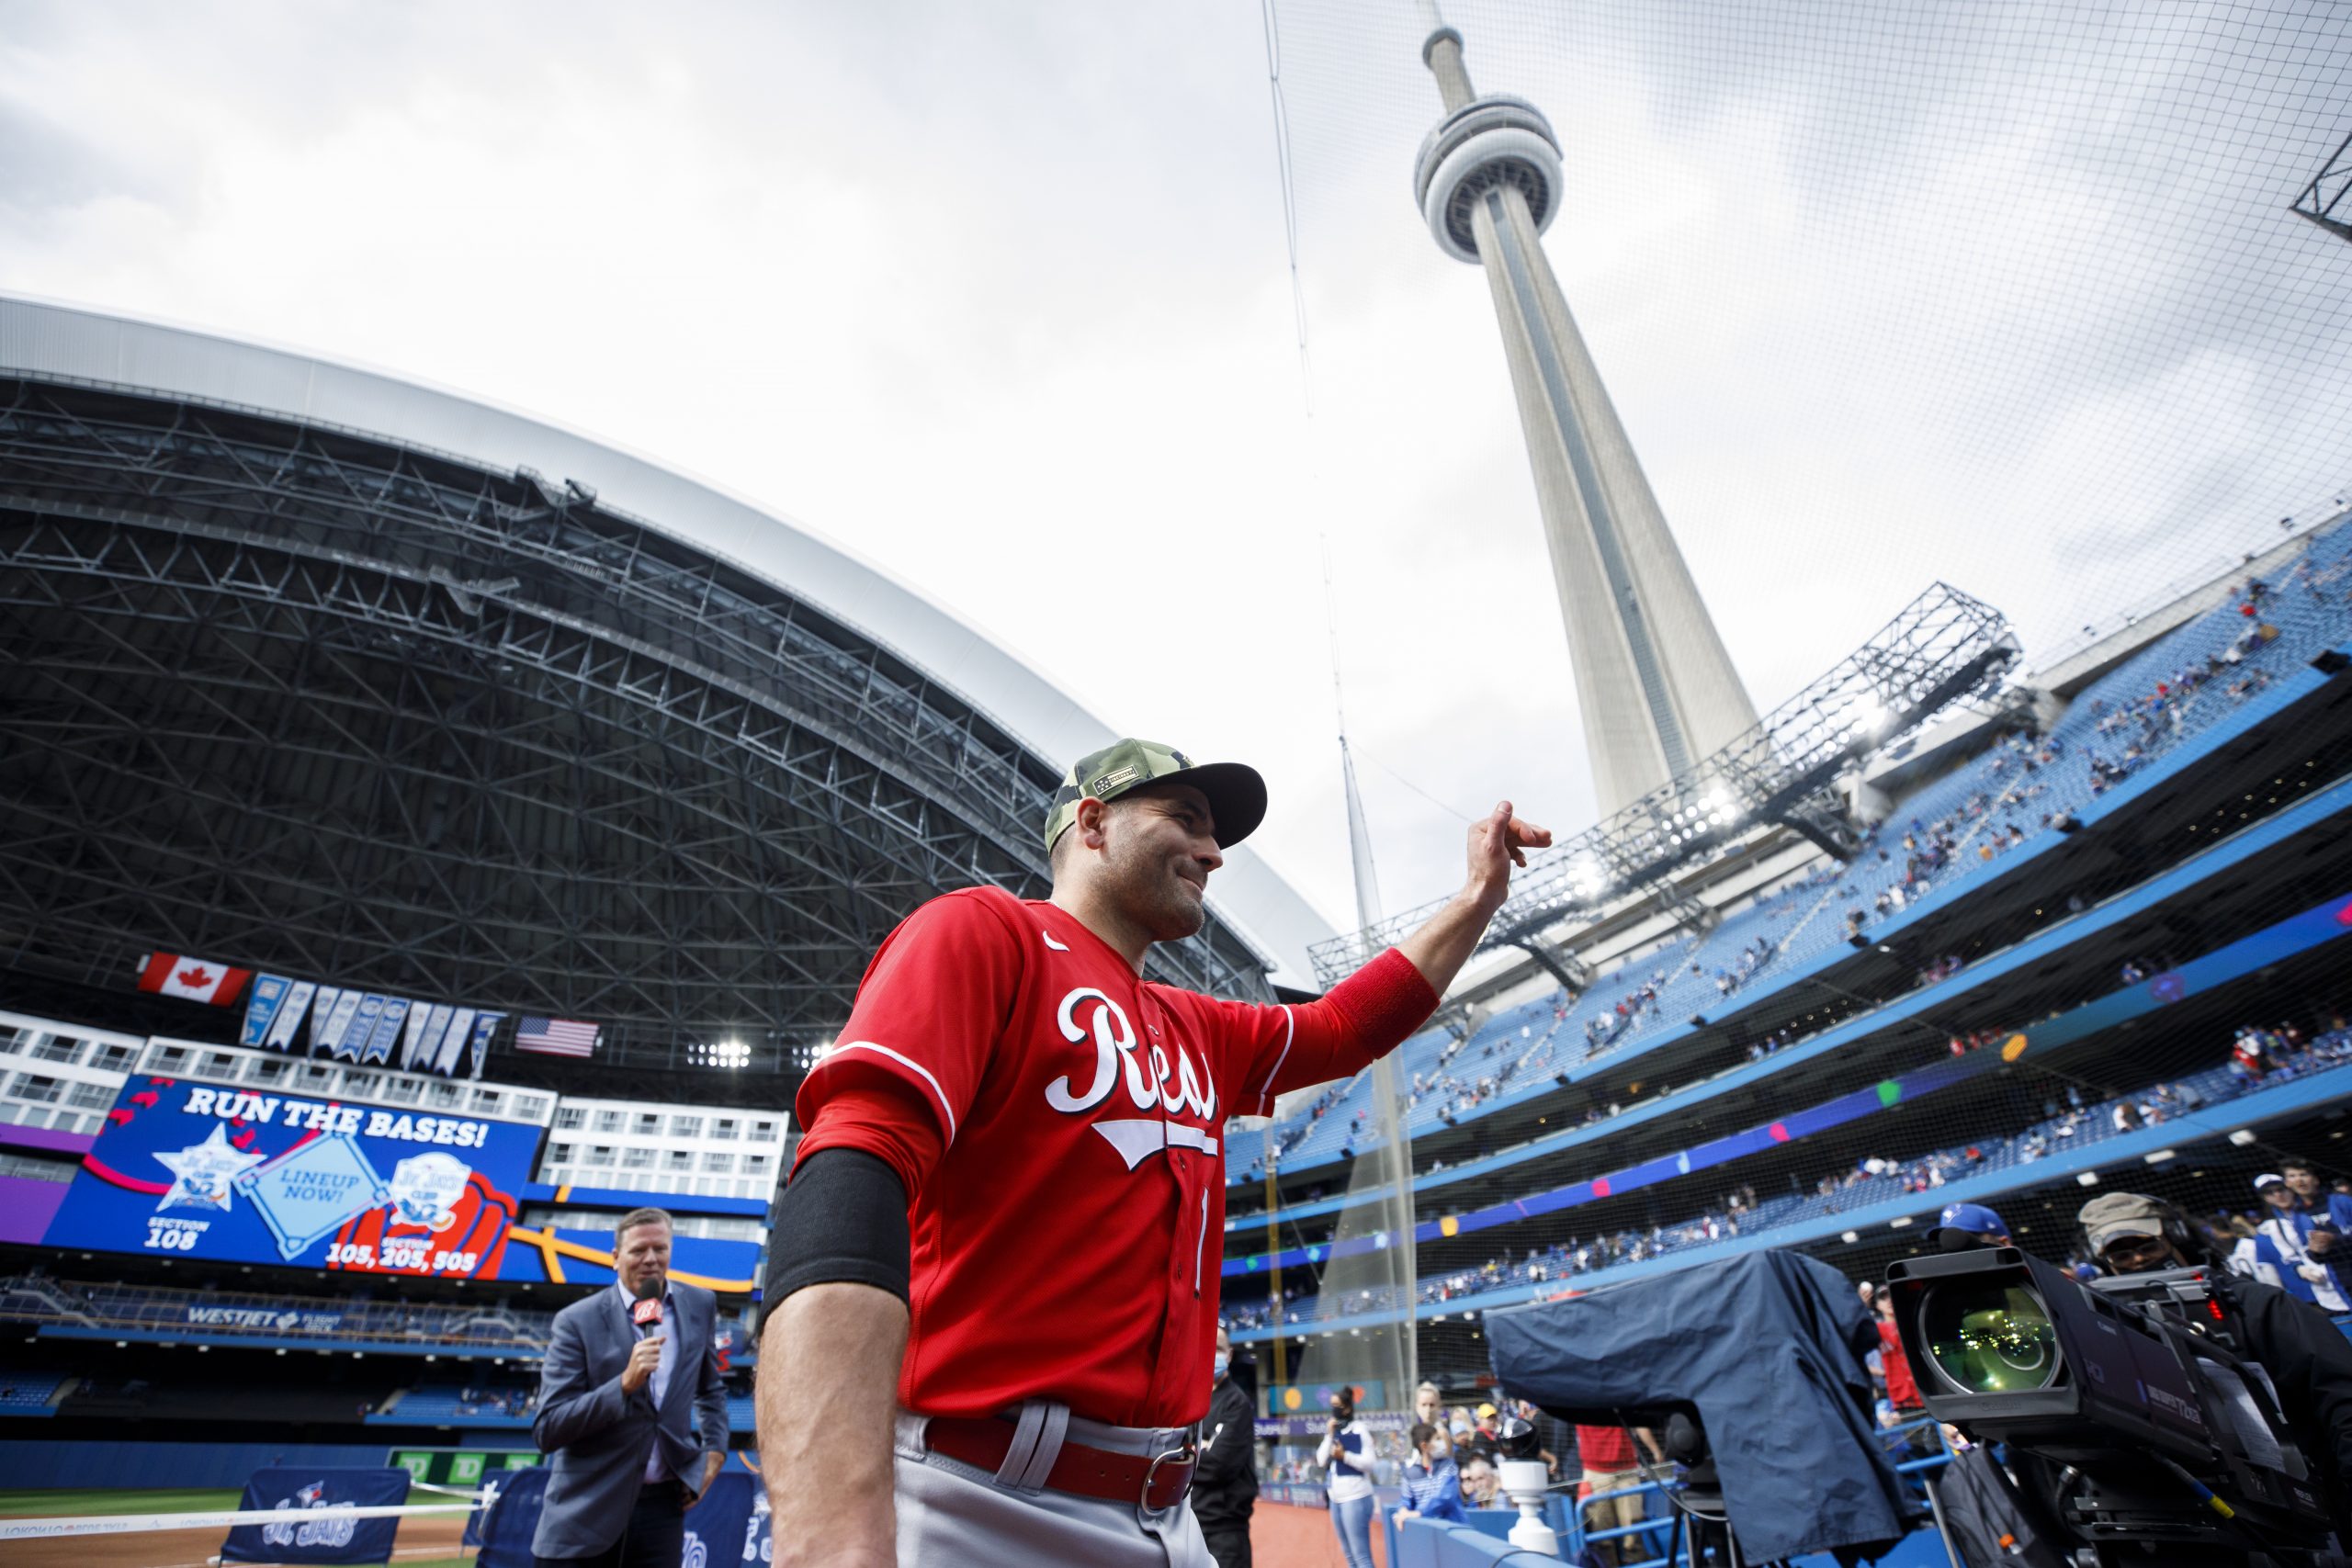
(1989, 1339)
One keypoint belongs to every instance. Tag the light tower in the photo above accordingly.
(1656, 690)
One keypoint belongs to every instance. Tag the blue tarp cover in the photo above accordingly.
(1769, 1347)
(300, 1538)
(729, 1525)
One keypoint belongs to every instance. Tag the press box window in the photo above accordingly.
(34, 1087)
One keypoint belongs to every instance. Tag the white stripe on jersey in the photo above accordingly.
(945, 1110)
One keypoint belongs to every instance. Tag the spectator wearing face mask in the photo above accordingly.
(1225, 1479)
(1432, 1484)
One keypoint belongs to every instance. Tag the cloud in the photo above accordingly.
(998, 297)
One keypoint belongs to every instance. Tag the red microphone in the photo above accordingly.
(646, 1312)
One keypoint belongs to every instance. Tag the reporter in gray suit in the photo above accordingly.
(632, 1409)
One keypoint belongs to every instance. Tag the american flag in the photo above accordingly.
(556, 1036)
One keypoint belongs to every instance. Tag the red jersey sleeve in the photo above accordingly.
(906, 1067)
(1272, 1050)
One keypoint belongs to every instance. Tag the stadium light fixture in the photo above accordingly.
(724, 1054)
(2086, 1178)
(2243, 1136)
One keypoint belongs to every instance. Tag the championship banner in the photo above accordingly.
(357, 1033)
(213, 1171)
(330, 1015)
(454, 1042)
(290, 1014)
(412, 1030)
(387, 1030)
(296, 1492)
(424, 1047)
(485, 1025)
(261, 1008)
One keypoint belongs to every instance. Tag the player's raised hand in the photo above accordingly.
(1498, 841)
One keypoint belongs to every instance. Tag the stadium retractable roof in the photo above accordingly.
(327, 673)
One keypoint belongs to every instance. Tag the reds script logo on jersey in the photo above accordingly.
(1161, 1076)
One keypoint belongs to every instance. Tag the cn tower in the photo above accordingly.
(1656, 690)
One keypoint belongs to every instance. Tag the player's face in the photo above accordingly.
(2304, 1182)
(1162, 846)
(643, 1260)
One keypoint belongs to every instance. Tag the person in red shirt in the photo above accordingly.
(1610, 1464)
(1902, 1390)
(992, 1264)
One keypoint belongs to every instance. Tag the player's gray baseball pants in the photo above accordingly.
(954, 1513)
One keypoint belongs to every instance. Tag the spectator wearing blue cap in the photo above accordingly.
(1963, 1226)
(2279, 1252)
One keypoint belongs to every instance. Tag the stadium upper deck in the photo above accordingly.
(1815, 1068)
(2131, 735)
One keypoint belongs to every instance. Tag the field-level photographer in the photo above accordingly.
(2308, 1358)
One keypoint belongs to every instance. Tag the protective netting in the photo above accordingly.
(1988, 992)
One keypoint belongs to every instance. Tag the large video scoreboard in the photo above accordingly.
(237, 1175)
(240, 1174)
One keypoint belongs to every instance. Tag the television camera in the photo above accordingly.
(2156, 1432)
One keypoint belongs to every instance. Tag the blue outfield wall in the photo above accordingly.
(117, 1466)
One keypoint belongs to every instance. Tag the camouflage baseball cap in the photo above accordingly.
(1237, 796)
(2112, 1216)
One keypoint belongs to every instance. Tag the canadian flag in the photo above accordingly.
(196, 979)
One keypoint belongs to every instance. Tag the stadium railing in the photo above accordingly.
(1854, 1035)
(2060, 1145)
(162, 1312)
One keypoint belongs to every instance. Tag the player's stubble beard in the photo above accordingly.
(1151, 886)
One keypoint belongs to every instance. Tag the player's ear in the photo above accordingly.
(1091, 826)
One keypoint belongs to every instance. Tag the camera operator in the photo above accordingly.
(1963, 1226)
(2308, 1359)
(1345, 1455)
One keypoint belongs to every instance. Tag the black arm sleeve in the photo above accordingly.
(2310, 1361)
(843, 1218)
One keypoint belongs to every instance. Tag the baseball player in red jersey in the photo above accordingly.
(991, 1297)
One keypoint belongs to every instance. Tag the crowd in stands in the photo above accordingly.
(2011, 795)
(2069, 1120)
(33, 1296)
(511, 1402)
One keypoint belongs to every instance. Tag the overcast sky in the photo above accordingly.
(997, 297)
